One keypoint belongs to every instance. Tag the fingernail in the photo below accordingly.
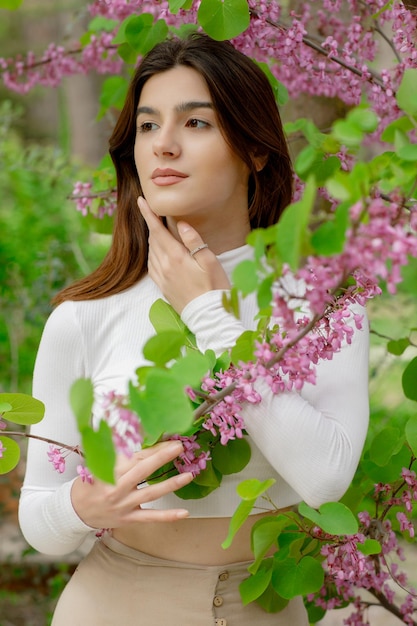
(183, 227)
(182, 514)
(176, 446)
(186, 477)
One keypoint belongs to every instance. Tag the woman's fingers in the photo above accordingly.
(145, 462)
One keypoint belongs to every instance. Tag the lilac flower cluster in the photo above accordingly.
(24, 73)
(331, 61)
(126, 428)
(193, 459)
(349, 569)
(97, 204)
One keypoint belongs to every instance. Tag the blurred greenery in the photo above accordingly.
(44, 243)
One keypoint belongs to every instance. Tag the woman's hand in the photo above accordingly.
(180, 276)
(101, 505)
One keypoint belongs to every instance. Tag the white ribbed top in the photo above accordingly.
(310, 442)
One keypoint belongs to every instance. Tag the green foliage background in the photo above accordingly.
(44, 243)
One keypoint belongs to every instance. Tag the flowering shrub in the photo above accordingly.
(347, 235)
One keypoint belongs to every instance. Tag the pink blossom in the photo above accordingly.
(55, 456)
(84, 474)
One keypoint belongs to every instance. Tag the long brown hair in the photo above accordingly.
(248, 116)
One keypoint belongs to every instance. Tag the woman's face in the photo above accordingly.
(186, 169)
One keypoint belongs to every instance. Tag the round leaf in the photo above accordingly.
(384, 445)
(164, 347)
(9, 455)
(291, 579)
(232, 458)
(411, 434)
(223, 19)
(409, 380)
(24, 410)
(407, 92)
(245, 277)
(81, 400)
(332, 517)
(253, 488)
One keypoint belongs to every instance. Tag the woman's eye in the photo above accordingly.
(145, 127)
(195, 123)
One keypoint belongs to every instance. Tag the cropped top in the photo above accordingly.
(310, 442)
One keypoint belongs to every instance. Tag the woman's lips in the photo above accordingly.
(167, 177)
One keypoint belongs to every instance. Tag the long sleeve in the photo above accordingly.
(313, 439)
(47, 518)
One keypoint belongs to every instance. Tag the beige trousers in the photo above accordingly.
(115, 585)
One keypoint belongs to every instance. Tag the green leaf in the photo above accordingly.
(389, 472)
(264, 535)
(324, 168)
(100, 23)
(329, 238)
(291, 578)
(370, 546)
(193, 491)
(164, 347)
(5, 407)
(9, 455)
(164, 317)
(24, 410)
(347, 133)
(81, 400)
(251, 588)
(271, 602)
(332, 517)
(142, 34)
(245, 277)
(408, 152)
(398, 346)
(163, 406)
(243, 350)
(176, 5)
(10, 5)
(384, 445)
(407, 92)
(404, 124)
(409, 380)
(232, 458)
(411, 434)
(252, 488)
(264, 296)
(208, 477)
(292, 227)
(127, 54)
(364, 119)
(223, 19)
(280, 91)
(113, 94)
(99, 451)
(191, 369)
(238, 518)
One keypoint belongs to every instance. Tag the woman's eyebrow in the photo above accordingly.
(182, 107)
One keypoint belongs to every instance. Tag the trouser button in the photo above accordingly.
(224, 576)
(218, 601)
(220, 621)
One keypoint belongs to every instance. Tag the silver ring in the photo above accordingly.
(193, 252)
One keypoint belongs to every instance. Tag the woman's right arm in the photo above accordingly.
(57, 511)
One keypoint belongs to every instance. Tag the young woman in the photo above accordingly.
(201, 159)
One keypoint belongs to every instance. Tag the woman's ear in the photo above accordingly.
(259, 161)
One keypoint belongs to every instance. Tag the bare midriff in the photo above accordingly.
(192, 540)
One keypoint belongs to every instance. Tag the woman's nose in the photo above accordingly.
(166, 143)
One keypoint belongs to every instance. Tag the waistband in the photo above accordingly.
(120, 548)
